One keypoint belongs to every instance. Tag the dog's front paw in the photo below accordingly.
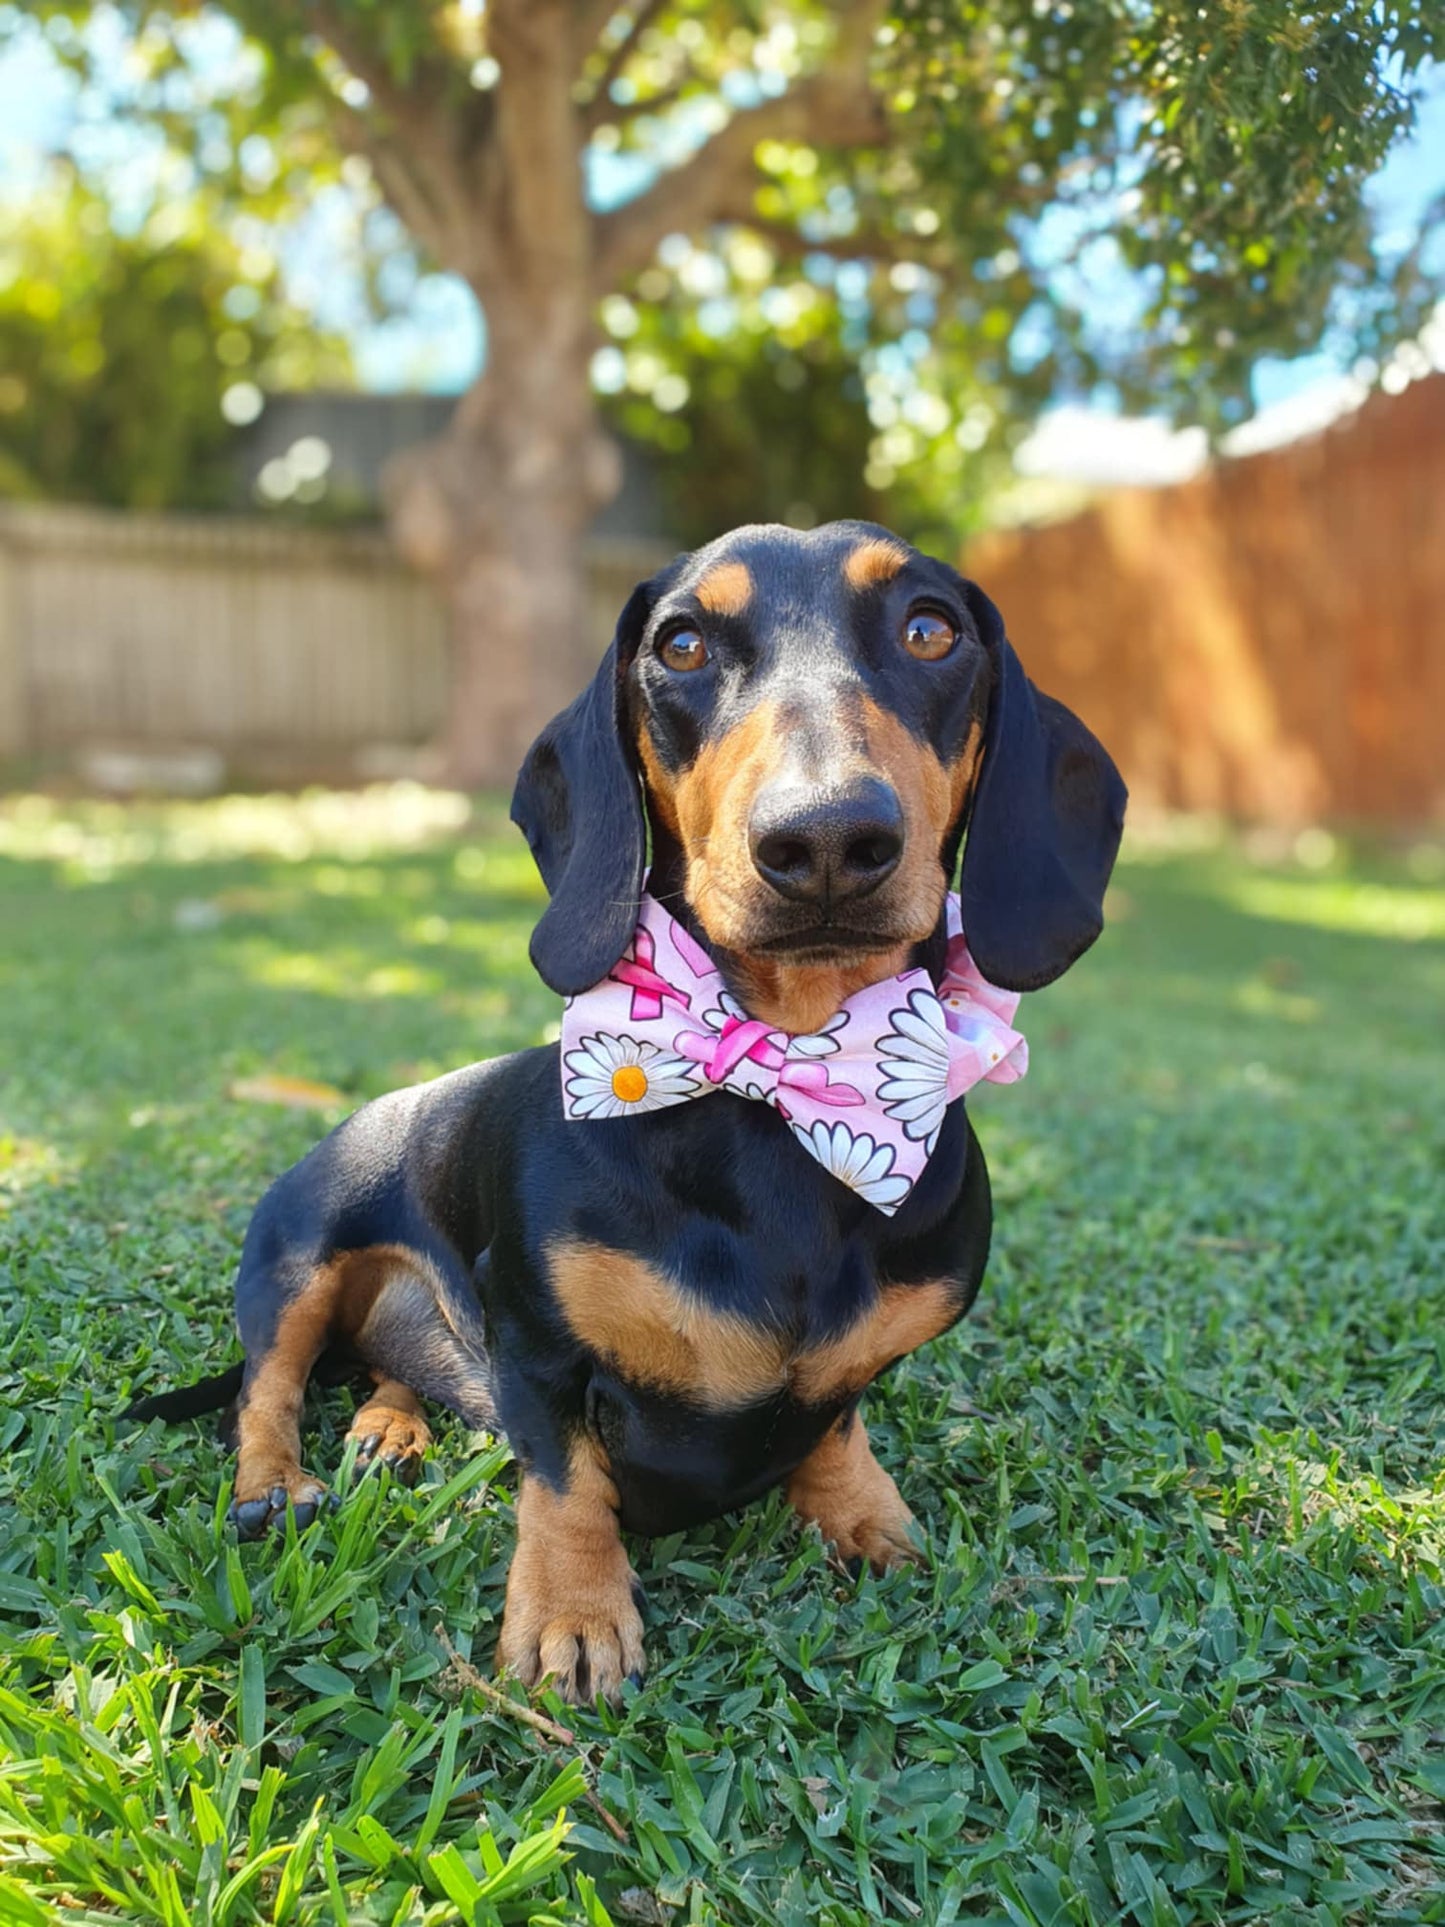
(581, 1650)
(843, 1490)
(260, 1502)
(584, 1637)
(573, 1602)
(885, 1537)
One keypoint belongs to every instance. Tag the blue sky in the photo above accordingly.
(437, 344)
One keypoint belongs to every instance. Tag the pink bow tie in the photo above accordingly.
(865, 1095)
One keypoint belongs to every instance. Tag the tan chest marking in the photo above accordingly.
(905, 1317)
(658, 1335)
(655, 1333)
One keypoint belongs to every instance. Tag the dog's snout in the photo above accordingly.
(825, 845)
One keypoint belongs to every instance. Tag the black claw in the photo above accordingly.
(331, 1501)
(278, 1498)
(855, 1568)
(305, 1513)
(251, 1518)
(634, 1678)
(365, 1447)
(639, 1595)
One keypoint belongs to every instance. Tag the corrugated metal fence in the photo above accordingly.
(1267, 640)
(282, 648)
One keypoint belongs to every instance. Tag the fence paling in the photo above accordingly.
(1266, 640)
(229, 633)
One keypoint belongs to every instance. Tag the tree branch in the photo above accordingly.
(406, 136)
(410, 105)
(835, 107)
(592, 19)
(602, 111)
(538, 136)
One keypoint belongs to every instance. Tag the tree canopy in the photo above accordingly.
(126, 358)
(1018, 200)
(792, 237)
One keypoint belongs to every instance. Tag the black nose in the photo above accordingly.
(824, 845)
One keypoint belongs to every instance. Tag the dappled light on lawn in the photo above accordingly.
(1177, 1652)
(25, 1162)
(100, 838)
(1313, 1502)
(1402, 912)
(292, 1093)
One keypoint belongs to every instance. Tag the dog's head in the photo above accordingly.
(812, 722)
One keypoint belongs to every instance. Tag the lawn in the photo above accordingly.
(1179, 1652)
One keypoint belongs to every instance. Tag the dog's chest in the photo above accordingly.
(673, 1329)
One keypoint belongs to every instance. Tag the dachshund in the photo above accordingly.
(670, 1311)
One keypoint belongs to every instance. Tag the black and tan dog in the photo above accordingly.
(669, 1314)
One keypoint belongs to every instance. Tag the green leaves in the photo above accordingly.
(121, 351)
(1144, 198)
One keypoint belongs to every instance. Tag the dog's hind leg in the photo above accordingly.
(285, 1326)
(394, 1308)
(423, 1334)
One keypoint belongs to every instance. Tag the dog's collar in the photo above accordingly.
(865, 1095)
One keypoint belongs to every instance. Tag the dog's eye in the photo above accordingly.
(682, 648)
(928, 635)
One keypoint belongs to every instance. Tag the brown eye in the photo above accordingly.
(928, 635)
(682, 649)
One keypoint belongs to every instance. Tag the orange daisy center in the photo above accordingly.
(629, 1082)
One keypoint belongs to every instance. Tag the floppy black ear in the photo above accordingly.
(578, 802)
(1044, 829)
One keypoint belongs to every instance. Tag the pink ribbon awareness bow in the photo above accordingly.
(865, 1095)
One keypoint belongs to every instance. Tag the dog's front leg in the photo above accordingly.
(842, 1489)
(572, 1597)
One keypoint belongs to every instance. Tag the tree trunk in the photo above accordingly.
(497, 511)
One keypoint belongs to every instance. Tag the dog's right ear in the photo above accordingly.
(578, 802)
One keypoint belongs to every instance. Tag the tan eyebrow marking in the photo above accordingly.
(874, 562)
(726, 589)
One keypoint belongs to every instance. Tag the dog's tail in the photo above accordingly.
(190, 1401)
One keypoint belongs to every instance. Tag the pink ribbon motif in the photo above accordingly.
(892, 1059)
(648, 988)
(746, 1039)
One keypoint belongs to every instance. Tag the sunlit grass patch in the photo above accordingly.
(94, 840)
(1179, 1655)
(25, 1162)
(1309, 1496)
(1407, 913)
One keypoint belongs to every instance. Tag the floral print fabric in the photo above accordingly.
(865, 1095)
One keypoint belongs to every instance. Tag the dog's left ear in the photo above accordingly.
(578, 802)
(1044, 828)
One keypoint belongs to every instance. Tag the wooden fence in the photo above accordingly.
(294, 652)
(1267, 640)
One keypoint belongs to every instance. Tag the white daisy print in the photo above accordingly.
(858, 1162)
(620, 1076)
(916, 1057)
(820, 1043)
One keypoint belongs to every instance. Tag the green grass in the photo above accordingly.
(1179, 1655)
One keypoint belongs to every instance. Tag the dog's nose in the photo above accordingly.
(824, 845)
